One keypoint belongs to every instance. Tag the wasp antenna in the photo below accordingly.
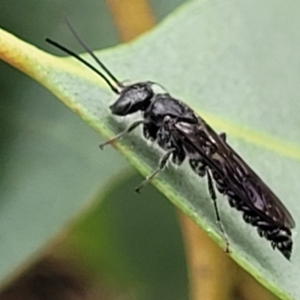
(87, 49)
(159, 85)
(70, 52)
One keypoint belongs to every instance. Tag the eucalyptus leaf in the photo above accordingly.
(46, 176)
(236, 63)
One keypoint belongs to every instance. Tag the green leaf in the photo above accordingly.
(51, 166)
(236, 64)
(119, 243)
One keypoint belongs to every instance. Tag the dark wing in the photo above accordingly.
(261, 196)
(233, 170)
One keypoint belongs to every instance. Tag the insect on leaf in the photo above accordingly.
(225, 71)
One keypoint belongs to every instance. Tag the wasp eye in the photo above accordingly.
(120, 108)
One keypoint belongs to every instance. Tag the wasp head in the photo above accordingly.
(133, 98)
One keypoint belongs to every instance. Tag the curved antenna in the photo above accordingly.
(159, 85)
(88, 50)
(57, 45)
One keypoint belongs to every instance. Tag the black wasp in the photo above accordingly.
(183, 134)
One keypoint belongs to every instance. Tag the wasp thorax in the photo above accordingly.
(133, 98)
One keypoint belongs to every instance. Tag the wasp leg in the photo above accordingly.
(211, 188)
(118, 136)
(150, 131)
(162, 163)
(214, 198)
(222, 135)
(198, 166)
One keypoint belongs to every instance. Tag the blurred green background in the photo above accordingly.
(130, 244)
